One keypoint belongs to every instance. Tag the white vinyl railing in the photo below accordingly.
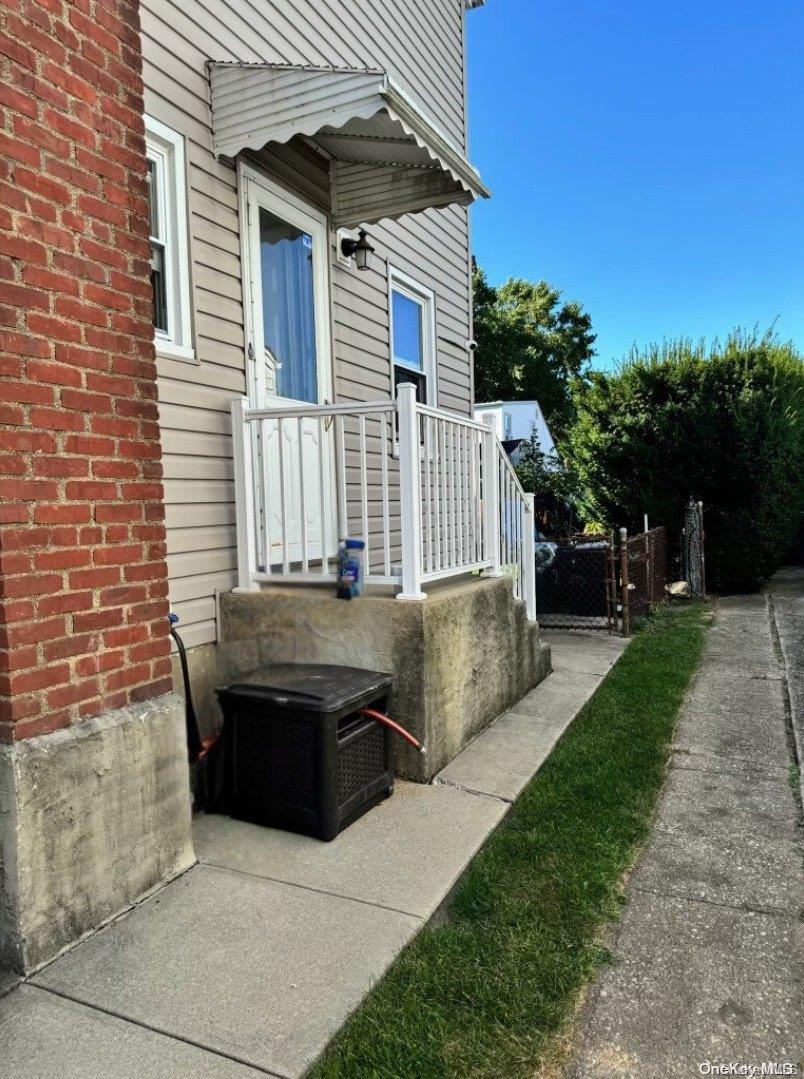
(517, 520)
(431, 493)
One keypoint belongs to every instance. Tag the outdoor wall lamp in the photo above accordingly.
(360, 250)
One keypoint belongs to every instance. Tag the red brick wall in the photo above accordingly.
(83, 581)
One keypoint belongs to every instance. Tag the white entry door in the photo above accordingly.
(286, 286)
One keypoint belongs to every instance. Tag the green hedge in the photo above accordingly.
(723, 425)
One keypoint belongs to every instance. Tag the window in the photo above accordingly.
(170, 258)
(413, 355)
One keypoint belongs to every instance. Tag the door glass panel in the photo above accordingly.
(406, 316)
(288, 306)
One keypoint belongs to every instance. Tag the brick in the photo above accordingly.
(90, 445)
(30, 584)
(27, 681)
(26, 392)
(31, 728)
(68, 647)
(118, 511)
(97, 664)
(66, 603)
(97, 620)
(57, 419)
(27, 441)
(95, 578)
(62, 559)
(60, 466)
(62, 514)
(118, 556)
(23, 538)
(70, 694)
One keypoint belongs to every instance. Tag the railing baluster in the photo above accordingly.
(443, 516)
(386, 528)
(467, 496)
(340, 478)
(364, 489)
(476, 447)
(302, 502)
(321, 497)
(428, 465)
(262, 478)
(453, 546)
(458, 479)
(283, 502)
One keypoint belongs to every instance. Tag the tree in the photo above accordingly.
(725, 425)
(555, 485)
(529, 345)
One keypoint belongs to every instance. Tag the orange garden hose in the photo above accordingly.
(372, 714)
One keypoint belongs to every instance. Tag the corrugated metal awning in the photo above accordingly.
(388, 158)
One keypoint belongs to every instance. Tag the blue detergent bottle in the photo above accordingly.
(350, 568)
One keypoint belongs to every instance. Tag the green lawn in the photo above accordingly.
(484, 993)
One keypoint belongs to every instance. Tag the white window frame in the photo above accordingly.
(165, 148)
(398, 281)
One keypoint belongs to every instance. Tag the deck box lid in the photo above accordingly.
(315, 687)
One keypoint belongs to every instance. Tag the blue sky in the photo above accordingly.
(646, 157)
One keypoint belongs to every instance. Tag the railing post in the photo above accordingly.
(624, 593)
(410, 503)
(244, 497)
(491, 502)
(529, 556)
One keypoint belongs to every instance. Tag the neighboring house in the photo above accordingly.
(223, 348)
(519, 421)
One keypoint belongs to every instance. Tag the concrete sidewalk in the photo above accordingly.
(251, 962)
(707, 956)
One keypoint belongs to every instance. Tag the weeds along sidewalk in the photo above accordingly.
(482, 992)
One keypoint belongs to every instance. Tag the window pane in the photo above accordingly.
(153, 197)
(407, 322)
(158, 287)
(288, 306)
(402, 374)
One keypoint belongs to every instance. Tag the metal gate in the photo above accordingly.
(576, 583)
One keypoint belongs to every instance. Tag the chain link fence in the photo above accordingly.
(575, 583)
(647, 570)
(607, 582)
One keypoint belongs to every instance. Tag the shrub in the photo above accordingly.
(723, 425)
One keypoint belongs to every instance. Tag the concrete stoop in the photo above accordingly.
(249, 963)
(459, 658)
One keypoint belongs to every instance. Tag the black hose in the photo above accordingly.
(193, 735)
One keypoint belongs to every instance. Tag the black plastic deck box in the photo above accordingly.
(297, 752)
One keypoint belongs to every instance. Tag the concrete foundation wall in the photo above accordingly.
(459, 658)
(90, 818)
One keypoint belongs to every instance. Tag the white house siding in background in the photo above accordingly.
(517, 420)
(421, 44)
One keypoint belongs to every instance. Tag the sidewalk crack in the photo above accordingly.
(156, 1029)
(744, 908)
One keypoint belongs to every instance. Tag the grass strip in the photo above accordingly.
(482, 994)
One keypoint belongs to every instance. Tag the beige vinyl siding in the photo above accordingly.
(420, 42)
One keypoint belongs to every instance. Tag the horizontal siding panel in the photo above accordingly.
(211, 514)
(182, 540)
(194, 586)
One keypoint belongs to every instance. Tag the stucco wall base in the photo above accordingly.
(459, 658)
(91, 817)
